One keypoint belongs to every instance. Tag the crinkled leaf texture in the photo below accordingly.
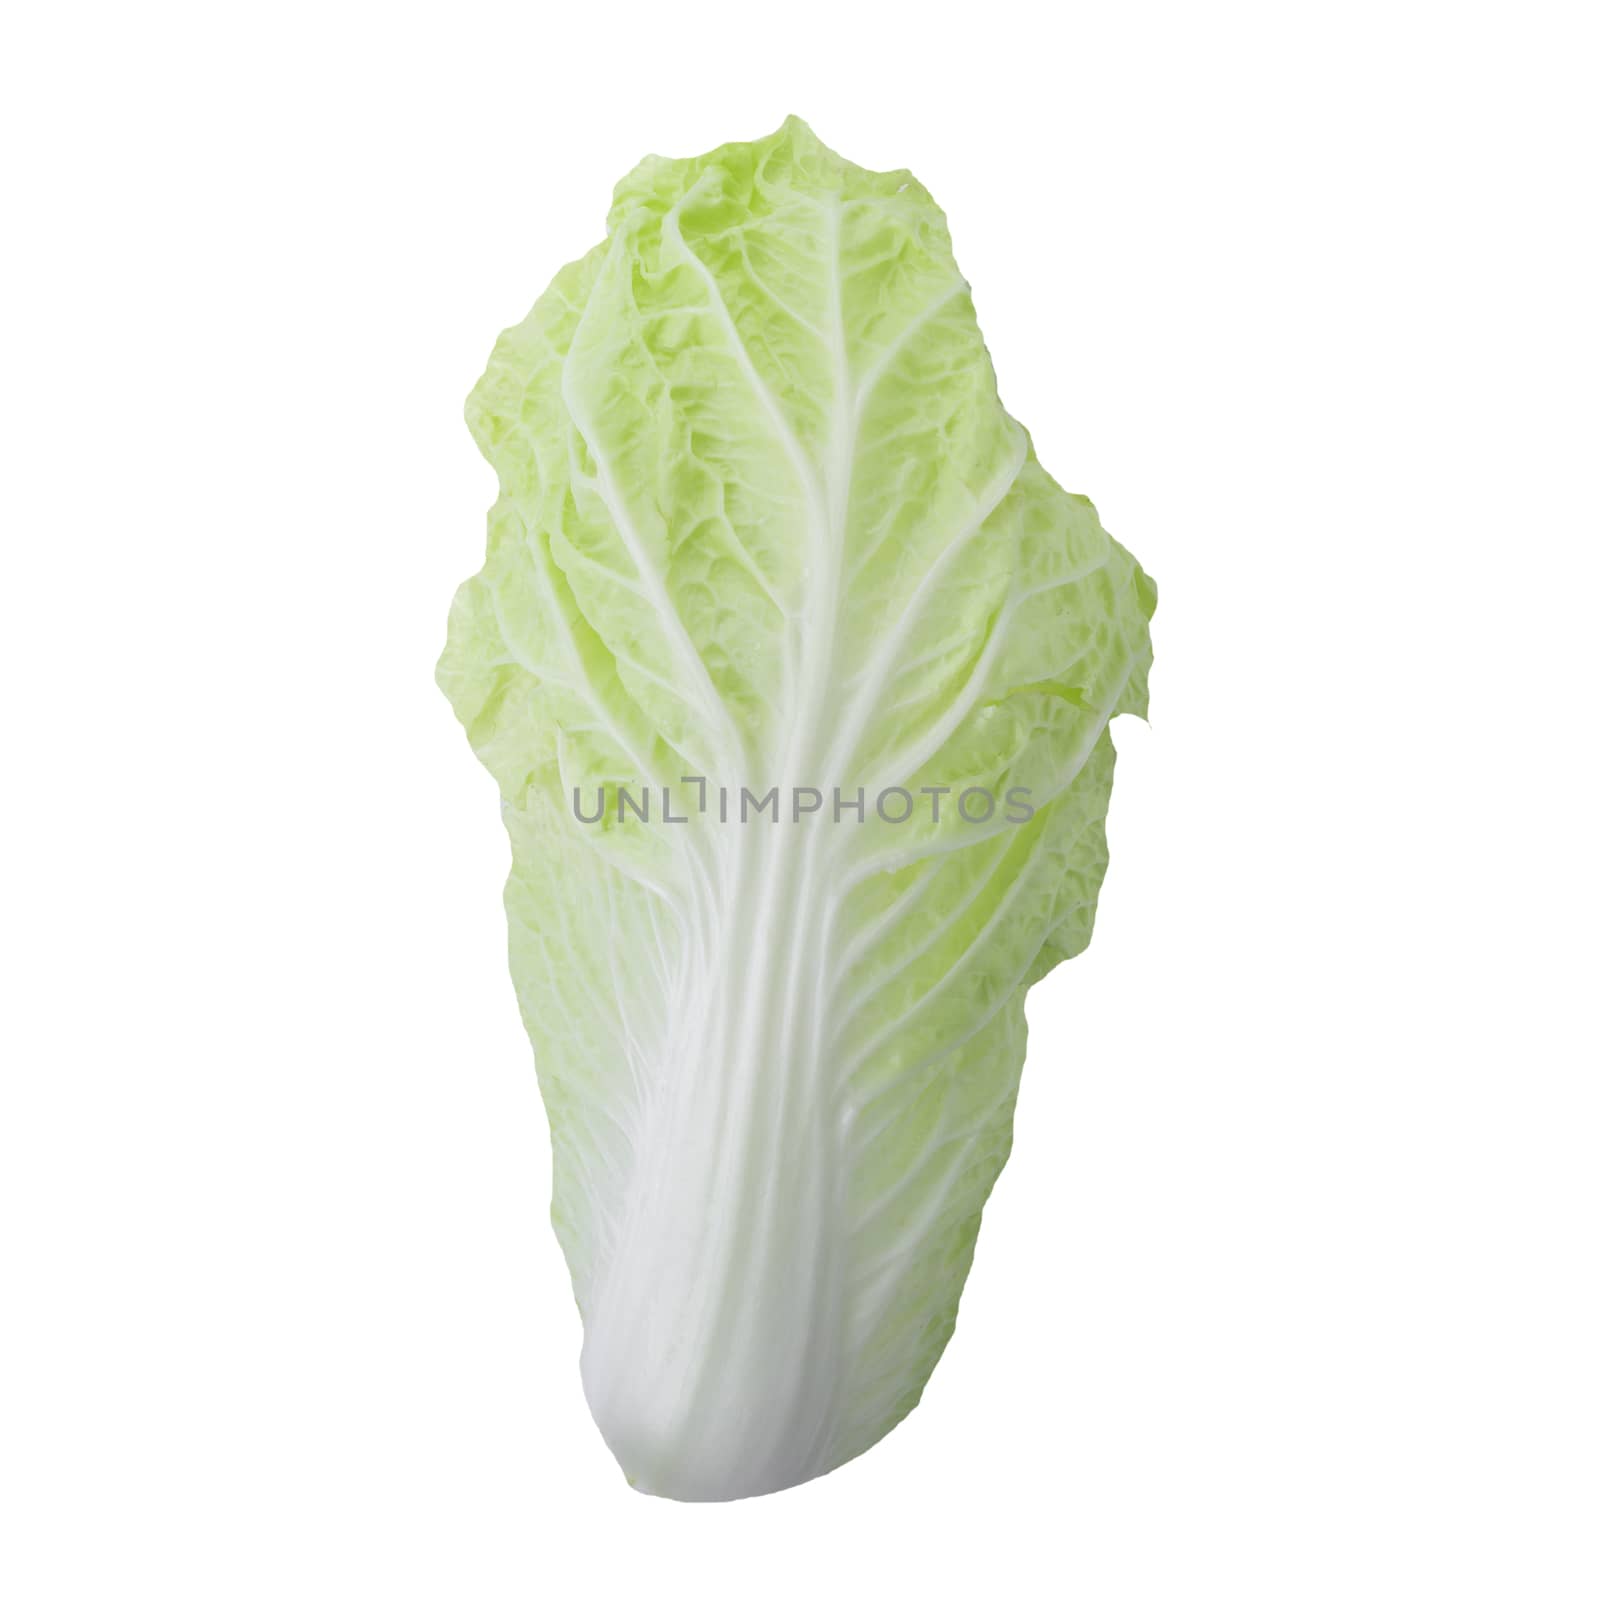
(763, 520)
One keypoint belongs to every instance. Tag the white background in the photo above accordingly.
(1290, 1288)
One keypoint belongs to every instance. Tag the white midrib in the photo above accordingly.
(777, 1057)
(726, 1246)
